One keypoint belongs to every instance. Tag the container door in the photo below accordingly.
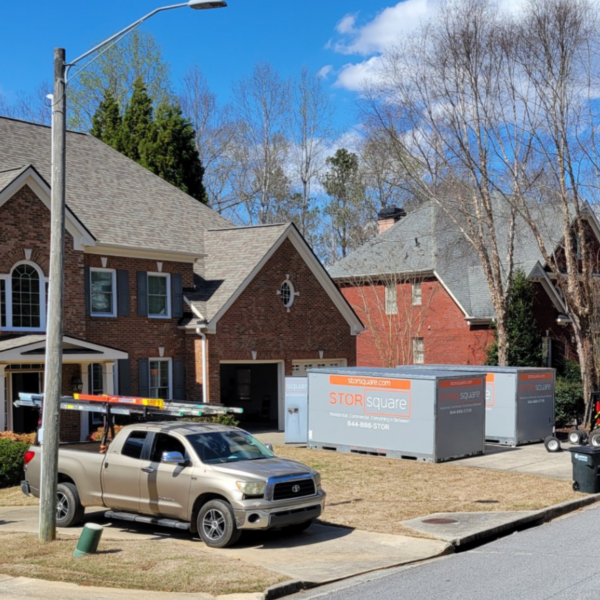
(535, 405)
(296, 410)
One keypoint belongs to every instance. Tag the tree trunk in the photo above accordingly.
(502, 333)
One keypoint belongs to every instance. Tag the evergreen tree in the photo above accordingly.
(170, 151)
(524, 335)
(107, 122)
(137, 123)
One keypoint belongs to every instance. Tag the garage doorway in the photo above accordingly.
(255, 387)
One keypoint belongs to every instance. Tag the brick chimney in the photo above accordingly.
(388, 217)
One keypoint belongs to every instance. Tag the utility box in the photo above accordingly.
(432, 416)
(519, 401)
(296, 410)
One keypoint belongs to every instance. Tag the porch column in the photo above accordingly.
(108, 376)
(3, 400)
(85, 416)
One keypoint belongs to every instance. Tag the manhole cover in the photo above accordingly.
(439, 521)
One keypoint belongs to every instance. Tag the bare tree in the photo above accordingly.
(436, 100)
(34, 107)
(215, 130)
(311, 129)
(261, 106)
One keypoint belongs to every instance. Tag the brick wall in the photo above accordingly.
(447, 337)
(259, 321)
(139, 336)
(25, 224)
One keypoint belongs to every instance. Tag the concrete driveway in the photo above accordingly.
(320, 554)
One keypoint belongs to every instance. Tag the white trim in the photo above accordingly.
(9, 299)
(317, 270)
(169, 362)
(435, 273)
(539, 275)
(17, 354)
(146, 253)
(194, 310)
(113, 312)
(166, 276)
(30, 177)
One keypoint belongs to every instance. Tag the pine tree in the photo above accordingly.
(170, 151)
(107, 122)
(524, 335)
(137, 123)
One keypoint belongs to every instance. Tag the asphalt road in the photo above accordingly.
(557, 560)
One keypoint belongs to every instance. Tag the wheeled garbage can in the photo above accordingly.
(586, 463)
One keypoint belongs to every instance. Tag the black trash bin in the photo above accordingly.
(586, 465)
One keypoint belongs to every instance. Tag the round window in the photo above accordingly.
(286, 293)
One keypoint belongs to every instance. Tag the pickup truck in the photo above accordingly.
(213, 480)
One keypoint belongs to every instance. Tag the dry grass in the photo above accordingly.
(376, 494)
(15, 497)
(160, 565)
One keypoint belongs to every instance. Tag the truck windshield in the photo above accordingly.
(227, 446)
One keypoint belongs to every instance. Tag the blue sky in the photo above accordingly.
(225, 43)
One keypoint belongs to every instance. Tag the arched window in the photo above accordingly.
(23, 298)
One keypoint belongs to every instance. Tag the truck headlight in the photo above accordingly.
(251, 488)
(317, 477)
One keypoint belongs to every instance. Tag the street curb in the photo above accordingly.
(286, 588)
(538, 518)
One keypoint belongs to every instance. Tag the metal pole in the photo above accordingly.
(54, 328)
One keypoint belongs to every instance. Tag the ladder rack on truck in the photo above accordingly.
(127, 405)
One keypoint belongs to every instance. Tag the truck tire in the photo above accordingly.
(216, 524)
(69, 511)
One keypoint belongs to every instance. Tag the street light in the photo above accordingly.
(54, 333)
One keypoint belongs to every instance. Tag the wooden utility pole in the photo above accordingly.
(54, 325)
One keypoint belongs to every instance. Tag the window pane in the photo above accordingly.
(26, 297)
(157, 296)
(102, 292)
(159, 379)
(2, 303)
(134, 444)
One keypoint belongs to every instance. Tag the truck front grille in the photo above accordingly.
(293, 489)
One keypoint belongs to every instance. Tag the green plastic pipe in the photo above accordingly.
(88, 540)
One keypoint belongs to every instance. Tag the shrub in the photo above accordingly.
(569, 403)
(226, 419)
(29, 438)
(12, 454)
(96, 436)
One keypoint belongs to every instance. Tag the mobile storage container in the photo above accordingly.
(519, 403)
(426, 415)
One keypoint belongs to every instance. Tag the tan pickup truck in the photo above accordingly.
(211, 479)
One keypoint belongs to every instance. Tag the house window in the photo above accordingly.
(23, 299)
(287, 293)
(103, 292)
(159, 304)
(160, 378)
(418, 351)
(417, 294)
(391, 299)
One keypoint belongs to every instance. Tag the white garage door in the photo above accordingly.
(299, 367)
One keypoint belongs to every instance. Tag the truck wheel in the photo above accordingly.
(578, 437)
(595, 438)
(298, 527)
(69, 511)
(216, 524)
(552, 444)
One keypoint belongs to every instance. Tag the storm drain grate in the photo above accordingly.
(439, 521)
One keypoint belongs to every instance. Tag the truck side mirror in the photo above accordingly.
(173, 458)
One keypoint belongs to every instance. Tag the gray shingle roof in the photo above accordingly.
(9, 175)
(232, 255)
(427, 240)
(117, 200)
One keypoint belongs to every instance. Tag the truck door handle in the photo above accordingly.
(148, 469)
(106, 465)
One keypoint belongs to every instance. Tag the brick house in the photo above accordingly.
(421, 292)
(163, 296)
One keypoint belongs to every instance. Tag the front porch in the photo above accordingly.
(87, 368)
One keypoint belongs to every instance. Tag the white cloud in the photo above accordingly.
(325, 71)
(372, 38)
(346, 25)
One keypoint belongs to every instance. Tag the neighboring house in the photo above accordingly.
(161, 292)
(421, 292)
